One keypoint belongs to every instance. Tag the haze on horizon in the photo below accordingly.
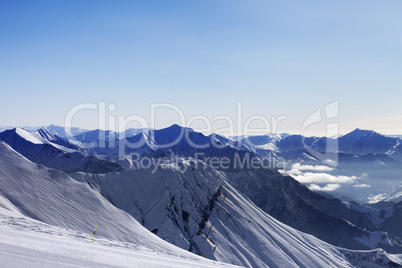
(277, 58)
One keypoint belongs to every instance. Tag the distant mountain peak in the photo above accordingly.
(359, 131)
(174, 129)
(45, 134)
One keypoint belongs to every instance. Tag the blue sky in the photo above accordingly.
(276, 57)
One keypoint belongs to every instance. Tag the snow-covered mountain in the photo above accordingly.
(184, 142)
(185, 210)
(55, 139)
(61, 132)
(51, 196)
(388, 218)
(393, 196)
(3, 128)
(360, 154)
(262, 141)
(396, 150)
(174, 141)
(363, 142)
(357, 142)
(43, 151)
(326, 218)
(369, 146)
(281, 197)
(96, 135)
(75, 131)
(93, 135)
(221, 220)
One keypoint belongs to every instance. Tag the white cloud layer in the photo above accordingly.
(363, 185)
(310, 177)
(327, 188)
(298, 169)
(315, 175)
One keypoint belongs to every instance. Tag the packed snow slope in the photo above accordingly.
(30, 243)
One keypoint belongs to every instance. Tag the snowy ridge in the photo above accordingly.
(202, 212)
(29, 137)
(363, 145)
(61, 132)
(42, 151)
(45, 134)
(395, 196)
(378, 216)
(53, 197)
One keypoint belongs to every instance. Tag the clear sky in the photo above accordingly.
(276, 57)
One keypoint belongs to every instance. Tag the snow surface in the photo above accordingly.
(31, 137)
(395, 196)
(373, 239)
(373, 213)
(29, 243)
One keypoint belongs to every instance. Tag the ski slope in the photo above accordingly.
(29, 243)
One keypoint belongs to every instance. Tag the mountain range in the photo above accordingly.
(245, 216)
(357, 143)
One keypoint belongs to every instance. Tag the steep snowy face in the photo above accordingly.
(329, 219)
(28, 136)
(197, 208)
(43, 151)
(46, 135)
(55, 140)
(53, 197)
(25, 140)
